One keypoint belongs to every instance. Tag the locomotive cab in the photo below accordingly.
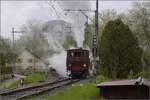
(78, 62)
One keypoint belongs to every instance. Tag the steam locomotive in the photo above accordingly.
(78, 63)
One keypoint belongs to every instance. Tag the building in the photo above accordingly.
(27, 61)
(125, 89)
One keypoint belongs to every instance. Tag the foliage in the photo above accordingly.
(131, 75)
(138, 19)
(101, 78)
(146, 65)
(105, 16)
(69, 42)
(6, 54)
(120, 52)
(88, 33)
(89, 30)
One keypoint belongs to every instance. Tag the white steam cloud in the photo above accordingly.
(77, 17)
(58, 61)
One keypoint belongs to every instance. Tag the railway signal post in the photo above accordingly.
(95, 42)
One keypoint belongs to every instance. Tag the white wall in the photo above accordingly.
(35, 64)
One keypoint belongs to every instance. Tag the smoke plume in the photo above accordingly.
(78, 19)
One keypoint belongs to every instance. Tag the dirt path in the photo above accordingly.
(8, 82)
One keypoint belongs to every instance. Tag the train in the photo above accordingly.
(78, 63)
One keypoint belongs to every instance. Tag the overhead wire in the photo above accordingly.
(53, 7)
(58, 14)
(62, 15)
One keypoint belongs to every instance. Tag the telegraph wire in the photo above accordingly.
(53, 7)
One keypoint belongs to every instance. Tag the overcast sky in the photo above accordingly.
(16, 13)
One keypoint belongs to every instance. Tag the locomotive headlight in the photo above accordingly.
(69, 65)
(84, 65)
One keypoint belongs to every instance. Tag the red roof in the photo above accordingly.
(125, 82)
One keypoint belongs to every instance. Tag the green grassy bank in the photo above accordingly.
(30, 79)
(87, 91)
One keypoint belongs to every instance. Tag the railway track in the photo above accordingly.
(22, 93)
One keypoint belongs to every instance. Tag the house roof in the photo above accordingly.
(32, 53)
(139, 81)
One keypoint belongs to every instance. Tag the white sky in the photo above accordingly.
(16, 13)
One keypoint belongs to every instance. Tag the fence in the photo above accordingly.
(6, 72)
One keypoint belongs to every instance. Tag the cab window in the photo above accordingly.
(77, 54)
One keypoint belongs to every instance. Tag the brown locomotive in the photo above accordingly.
(78, 63)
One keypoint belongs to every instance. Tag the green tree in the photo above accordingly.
(119, 51)
(139, 20)
(69, 42)
(88, 33)
(6, 53)
(103, 17)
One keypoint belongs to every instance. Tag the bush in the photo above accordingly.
(101, 78)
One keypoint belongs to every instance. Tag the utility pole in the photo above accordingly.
(13, 45)
(95, 41)
(0, 35)
(13, 37)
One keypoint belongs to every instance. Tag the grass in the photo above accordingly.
(2, 85)
(86, 91)
(30, 79)
(15, 84)
(12, 85)
(34, 77)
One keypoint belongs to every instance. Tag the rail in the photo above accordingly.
(21, 93)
